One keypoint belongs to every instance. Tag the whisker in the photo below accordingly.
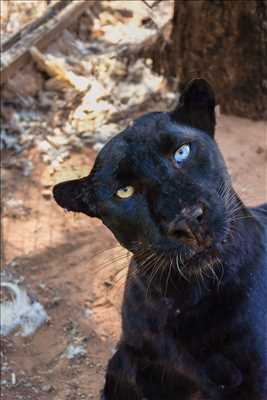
(152, 275)
(180, 269)
(168, 278)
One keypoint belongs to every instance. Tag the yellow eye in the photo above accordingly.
(125, 192)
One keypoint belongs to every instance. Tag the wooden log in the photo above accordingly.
(39, 34)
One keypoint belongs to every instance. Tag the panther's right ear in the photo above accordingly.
(76, 195)
(196, 106)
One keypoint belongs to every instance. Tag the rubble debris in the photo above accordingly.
(47, 194)
(15, 208)
(74, 351)
(56, 68)
(28, 87)
(47, 388)
(15, 16)
(9, 142)
(39, 33)
(13, 378)
(20, 312)
(87, 313)
(88, 93)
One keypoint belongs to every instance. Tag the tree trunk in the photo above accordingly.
(225, 42)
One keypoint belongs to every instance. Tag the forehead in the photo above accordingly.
(142, 141)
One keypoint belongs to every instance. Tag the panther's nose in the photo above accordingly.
(186, 227)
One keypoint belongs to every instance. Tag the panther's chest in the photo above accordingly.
(196, 331)
(203, 329)
(200, 324)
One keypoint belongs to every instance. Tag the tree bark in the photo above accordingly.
(225, 42)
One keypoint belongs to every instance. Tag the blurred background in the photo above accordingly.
(73, 74)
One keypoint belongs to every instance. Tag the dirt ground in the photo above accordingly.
(73, 266)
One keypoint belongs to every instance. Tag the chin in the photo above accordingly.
(193, 261)
(202, 263)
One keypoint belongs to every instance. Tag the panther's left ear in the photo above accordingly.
(76, 195)
(196, 106)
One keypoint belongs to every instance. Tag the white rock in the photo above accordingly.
(73, 351)
(20, 312)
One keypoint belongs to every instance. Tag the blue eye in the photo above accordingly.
(182, 153)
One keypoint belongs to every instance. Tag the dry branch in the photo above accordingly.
(39, 34)
(50, 13)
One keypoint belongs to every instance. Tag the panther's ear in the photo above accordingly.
(76, 195)
(196, 106)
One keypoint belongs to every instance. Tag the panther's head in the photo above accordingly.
(161, 186)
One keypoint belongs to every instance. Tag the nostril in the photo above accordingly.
(188, 224)
(180, 230)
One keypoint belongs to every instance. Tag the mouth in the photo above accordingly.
(188, 262)
(201, 261)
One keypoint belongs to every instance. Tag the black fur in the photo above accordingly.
(194, 317)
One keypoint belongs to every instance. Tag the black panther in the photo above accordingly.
(194, 317)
